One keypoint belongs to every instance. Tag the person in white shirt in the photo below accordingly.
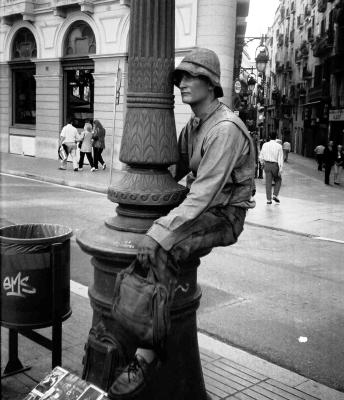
(68, 139)
(271, 156)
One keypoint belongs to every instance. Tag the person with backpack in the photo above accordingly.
(98, 144)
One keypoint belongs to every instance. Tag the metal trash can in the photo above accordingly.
(28, 255)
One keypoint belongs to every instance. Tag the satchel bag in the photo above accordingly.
(62, 153)
(142, 307)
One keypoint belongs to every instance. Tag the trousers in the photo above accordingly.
(271, 170)
(70, 150)
(218, 226)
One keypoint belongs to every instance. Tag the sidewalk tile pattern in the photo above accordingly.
(225, 379)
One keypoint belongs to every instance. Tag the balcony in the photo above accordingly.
(279, 67)
(322, 46)
(280, 40)
(292, 7)
(336, 64)
(12, 9)
(321, 92)
(306, 74)
(339, 49)
(322, 5)
(299, 21)
(288, 67)
(291, 36)
(61, 6)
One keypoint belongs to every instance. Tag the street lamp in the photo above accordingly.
(262, 57)
(251, 82)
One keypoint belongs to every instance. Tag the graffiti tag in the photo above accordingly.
(18, 286)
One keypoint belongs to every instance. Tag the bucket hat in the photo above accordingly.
(201, 62)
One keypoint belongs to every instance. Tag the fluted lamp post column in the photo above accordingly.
(144, 190)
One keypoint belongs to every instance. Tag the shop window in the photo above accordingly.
(24, 49)
(80, 96)
(24, 99)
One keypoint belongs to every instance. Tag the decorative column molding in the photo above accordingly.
(149, 142)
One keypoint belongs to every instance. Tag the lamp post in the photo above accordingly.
(144, 190)
(262, 59)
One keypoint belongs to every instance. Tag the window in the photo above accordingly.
(80, 95)
(23, 78)
(80, 40)
(24, 99)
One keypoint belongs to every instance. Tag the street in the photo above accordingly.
(275, 294)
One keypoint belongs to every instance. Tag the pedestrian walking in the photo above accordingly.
(98, 143)
(69, 138)
(271, 156)
(286, 150)
(86, 146)
(338, 164)
(329, 159)
(218, 157)
(319, 154)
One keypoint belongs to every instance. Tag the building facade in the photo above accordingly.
(305, 86)
(60, 59)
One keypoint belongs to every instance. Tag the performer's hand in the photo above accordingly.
(147, 251)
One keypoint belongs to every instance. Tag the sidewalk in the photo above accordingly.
(229, 373)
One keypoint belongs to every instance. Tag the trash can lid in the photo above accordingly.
(35, 233)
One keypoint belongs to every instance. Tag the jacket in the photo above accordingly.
(218, 154)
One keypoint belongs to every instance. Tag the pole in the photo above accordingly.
(115, 103)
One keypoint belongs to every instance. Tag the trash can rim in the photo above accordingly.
(68, 232)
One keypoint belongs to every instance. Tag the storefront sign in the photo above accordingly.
(337, 115)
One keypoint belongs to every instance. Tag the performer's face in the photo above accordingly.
(194, 89)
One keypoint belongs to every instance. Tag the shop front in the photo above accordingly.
(336, 118)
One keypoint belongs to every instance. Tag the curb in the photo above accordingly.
(57, 181)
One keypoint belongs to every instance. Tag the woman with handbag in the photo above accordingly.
(98, 143)
(85, 146)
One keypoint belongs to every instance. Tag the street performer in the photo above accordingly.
(217, 154)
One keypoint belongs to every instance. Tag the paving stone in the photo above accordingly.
(248, 379)
(239, 367)
(258, 396)
(224, 383)
(236, 375)
(274, 386)
(224, 378)
(213, 389)
(241, 396)
(274, 395)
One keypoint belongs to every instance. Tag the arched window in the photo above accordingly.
(80, 40)
(24, 49)
(24, 45)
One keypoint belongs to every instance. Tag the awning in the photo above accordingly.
(311, 103)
